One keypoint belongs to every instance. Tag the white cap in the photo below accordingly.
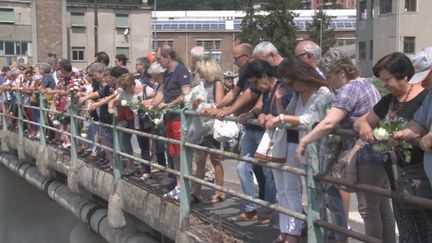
(422, 64)
(155, 68)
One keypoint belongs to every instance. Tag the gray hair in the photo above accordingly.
(143, 61)
(266, 48)
(336, 60)
(314, 49)
(44, 67)
(197, 53)
(155, 68)
(15, 72)
(97, 67)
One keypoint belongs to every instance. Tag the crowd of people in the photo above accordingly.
(306, 89)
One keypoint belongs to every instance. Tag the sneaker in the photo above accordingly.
(174, 194)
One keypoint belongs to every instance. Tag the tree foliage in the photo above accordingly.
(321, 20)
(276, 26)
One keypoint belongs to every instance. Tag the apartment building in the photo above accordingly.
(385, 26)
(316, 4)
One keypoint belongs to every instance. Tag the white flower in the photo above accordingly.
(156, 121)
(123, 102)
(56, 123)
(84, 135)
(200, 97)
(381, 134)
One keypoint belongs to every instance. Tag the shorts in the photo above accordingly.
(172, 130)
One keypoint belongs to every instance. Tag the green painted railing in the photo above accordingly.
(315, 191)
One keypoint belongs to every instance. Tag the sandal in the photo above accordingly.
(215, 199)
(245, 216)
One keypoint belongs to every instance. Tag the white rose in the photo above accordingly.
(157, 121)
(381, 134)
(200, 97)
(84, 135)
(123, 102)
(56, 123)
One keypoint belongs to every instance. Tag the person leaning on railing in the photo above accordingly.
(355, 96)
(395, 70)
(311, 98)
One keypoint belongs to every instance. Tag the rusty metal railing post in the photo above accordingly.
(315, 195)
(185, 168)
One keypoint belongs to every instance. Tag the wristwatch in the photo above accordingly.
(281, 119)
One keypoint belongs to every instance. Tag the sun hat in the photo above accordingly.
(155, 68)
(422, 64)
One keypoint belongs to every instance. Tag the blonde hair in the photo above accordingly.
(209, 70)
(336, 60)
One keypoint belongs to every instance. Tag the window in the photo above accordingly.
(212, 48)
(163, 42)
(362, 10)
(362, 51)
(345, 42)
(77, 20)
(78, 53)
(409, 44)
(123, 50)
(9, 48)
(371, 10)
(122, 21)
(14, 48)
(7, 16)
(385, 6)
(410, 5)
(1, 48)
(371, 50)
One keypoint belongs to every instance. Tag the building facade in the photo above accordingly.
(217, 31)
(385, 26)
(316, 4)
(32, 31)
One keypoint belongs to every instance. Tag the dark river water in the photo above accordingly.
(27, 215)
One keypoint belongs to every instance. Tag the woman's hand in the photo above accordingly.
(111, 110)
(426, 142)
(244, 117)
(271, 121)
(300, 151)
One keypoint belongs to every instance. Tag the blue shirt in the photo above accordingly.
(48, 81)
(423, 117)
(174, 80)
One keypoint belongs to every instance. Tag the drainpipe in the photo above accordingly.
(87, 211)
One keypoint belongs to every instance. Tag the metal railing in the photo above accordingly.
(315, 191)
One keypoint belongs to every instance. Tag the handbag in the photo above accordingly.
(273, 146)
(410, 179)
(346, 167)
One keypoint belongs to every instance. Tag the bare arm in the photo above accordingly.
(245, 99)
(333, 117)
(228, 98)
(412, 133)
(90, 96)
(219, 92)
(365, 124)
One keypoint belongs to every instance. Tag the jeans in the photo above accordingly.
(248, 145)
(35, 117)
(375, 210)
(144, 144)
(92, 132)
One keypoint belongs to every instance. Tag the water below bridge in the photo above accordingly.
(29, 215)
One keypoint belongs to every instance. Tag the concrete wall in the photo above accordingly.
(49, 30)
(138, 40)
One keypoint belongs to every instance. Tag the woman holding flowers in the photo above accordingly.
(210, 73)
(394, 71)
(307, 106)
(355, 96)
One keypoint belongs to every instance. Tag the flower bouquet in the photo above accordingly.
(382, 134)
(84, 132)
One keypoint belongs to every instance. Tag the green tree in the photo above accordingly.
(276, 25)
(321, 26)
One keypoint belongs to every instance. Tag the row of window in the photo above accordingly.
(78, 20)
(385, 6)
(78, 53)
(15, 48)
(408, 48)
